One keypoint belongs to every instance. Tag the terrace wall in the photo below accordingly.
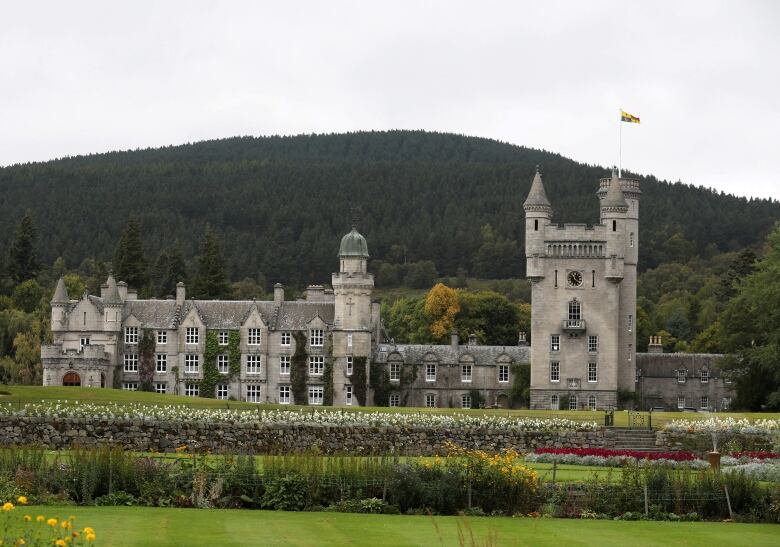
(141, 435)
(702, 442)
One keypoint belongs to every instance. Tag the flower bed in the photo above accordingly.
(724, 425)
(608, 453)
(179, 413)
(756, 455)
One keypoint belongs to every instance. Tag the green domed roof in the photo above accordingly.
(353, 244)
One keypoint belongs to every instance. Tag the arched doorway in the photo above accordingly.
(71, 379)
(502, 401)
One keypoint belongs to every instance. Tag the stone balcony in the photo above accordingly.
(573, 325)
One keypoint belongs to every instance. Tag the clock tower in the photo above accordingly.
(583, 299)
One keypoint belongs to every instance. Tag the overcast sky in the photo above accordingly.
(704, 77)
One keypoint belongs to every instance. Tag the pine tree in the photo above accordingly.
(22, 257)
(129, 260)
(211, 281)
(177, 267)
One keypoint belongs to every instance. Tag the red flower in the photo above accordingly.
(759, 455)
(608, 452)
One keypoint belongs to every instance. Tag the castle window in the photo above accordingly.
(591, 402)
(630, 322)
(348, 395)
(350, 365)
(85, 318)
(316, 365)
(395, 400)
(555, 371)
(253, 337)
(575, 311)
(223, 363)
(223, 338)
(191, 363)
(536, 225)
(629, 352)
(593, 278)
(316, 337)
(161, 362)
(162, 337)
(84, 341)
(349, 340)
(681, 374)
(465, 373)
(131, 362)
(430, 400)
(253, 364)
(465, 401)
(555, 402)
(160, 387)
(503, 373)
(130, 386)
(316, 395)
(681, 401)
(556, 279)
(593, 372)
(286, 338)
(705, 376)
(192, 336)
(395, 372)
(284, 365)
(131, 335)
(430, 372)
(253, 394)
(555, 342)
(191, 390)
(704, 403)
(593, 343)
(637, 374)
(614, 225)
(284, 395)
(222, 391)
(572, 402)
(631, 239)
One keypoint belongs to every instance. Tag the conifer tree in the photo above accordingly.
(22, 257)
(177, 267)
(211, 281)
(129, 261)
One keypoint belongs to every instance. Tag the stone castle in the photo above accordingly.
(583, 351)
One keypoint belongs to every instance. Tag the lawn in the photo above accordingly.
(129, 526)
(23, 394)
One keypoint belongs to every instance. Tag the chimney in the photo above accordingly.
(521, 339)
(278, 294)
(132, 294)
(655, 345)
(122, 288)
(315, 293)
(329, 295)
(473, 339)
(454, 339)
(181, 293)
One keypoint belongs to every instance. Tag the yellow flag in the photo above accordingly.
(626, 117)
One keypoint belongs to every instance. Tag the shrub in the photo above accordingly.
(285, 493)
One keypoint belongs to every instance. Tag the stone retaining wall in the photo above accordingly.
(263, 438)
(702, 442)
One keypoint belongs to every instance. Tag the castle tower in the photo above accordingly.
(583, 299)
(352, 287)
(59, 304)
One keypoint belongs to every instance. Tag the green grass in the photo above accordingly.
(131, 526)
(24, 394)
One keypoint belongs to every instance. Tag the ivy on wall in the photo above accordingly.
(520, 392)
(210, 373)
(327, 375)
(298, 369)
(146, 347)
(380, 383)
(234, 353)
(359, 380)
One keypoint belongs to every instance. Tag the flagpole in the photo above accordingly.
(620, 146)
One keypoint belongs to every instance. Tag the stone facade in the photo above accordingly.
(583, 278)
(676, 381)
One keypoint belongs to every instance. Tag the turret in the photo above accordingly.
(352, 285)
(59, 304)
(353, 252)
(112, 305)
(538, 213)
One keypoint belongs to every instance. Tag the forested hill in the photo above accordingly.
(281, 204)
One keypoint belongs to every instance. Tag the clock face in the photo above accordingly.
(574, 279)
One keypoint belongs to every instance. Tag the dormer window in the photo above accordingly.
(131, 335)
(192, 336)
(316, 337)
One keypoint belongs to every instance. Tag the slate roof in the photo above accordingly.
(667, 364)
(483, 355)
(60, 293)
(614, 197)
(537, 197)
(228, 314)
